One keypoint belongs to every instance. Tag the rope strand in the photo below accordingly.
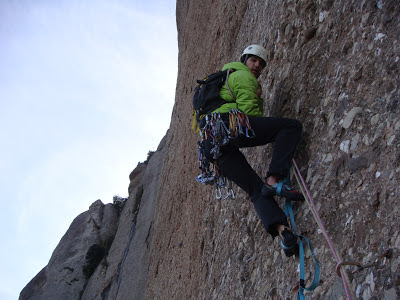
(310, 202)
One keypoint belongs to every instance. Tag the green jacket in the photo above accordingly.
(244, 86)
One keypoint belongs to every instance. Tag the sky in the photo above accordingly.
(86, 90)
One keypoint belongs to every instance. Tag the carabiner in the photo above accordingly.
(232, 192)
(218, 194)
(227, 195)
(252, 133)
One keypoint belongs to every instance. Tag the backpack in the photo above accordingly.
(206, 96)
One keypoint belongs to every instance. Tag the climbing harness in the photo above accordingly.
(216, 129)
(301, 239)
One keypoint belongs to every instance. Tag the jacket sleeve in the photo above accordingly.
(244, 87)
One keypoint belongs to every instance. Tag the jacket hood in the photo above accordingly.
(237, 65)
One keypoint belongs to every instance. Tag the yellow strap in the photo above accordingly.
(194, 123)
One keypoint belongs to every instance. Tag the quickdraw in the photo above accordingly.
(206, 176)
(239, 124)
(378, 263)
(223, 188)
(210, 176)
(220, 134)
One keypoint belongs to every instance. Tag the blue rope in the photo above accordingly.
(279, 188)
(314, 284)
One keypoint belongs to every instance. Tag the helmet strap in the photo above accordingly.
(244, 58)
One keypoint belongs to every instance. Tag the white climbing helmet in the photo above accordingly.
(256, 50)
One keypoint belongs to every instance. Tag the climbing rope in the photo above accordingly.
(378, 263)
(301, 183)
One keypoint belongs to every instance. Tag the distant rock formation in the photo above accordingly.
(105, 252)
(333, 65)
(76, 257)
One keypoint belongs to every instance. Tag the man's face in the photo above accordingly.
(255, 64)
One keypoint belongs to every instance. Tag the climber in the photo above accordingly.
(243, 94)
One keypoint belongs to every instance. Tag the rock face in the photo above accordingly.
(77, 255)
(333, 65)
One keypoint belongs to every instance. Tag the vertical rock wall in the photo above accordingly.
(334, 65)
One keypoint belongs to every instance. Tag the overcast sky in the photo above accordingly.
(86, 90)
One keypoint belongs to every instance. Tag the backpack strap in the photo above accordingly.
(227, 84)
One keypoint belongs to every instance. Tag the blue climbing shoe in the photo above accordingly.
(289, 243)
(284, 191)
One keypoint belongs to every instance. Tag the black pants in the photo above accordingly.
(233, 164)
